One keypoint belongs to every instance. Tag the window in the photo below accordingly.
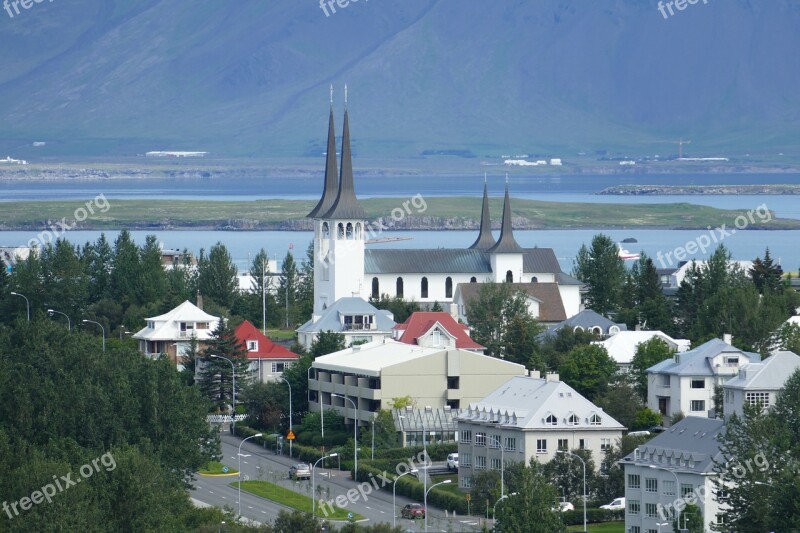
(494, 441)
(466, 482)
(573, 420)
(698, 384)
(448, 287)
(755, 398)
(454, 404)
(480, 439)
(252, 346)
(634, 507)
(582, 444)
(437, 337)
(326, 230)
(509, 277)
(721, 519)
(340, 231)
(349, 231)
(358, 231)
(595, 420)
(278, 367)
(686, 489)
(698, 405)
(634, 481)
(423, 289)
(541, 445)
(551, 421)
(511, 444)
(375, 288)
(731, 361)
(650, 484)
(669, 487)
(473, 279)
(605, 444)
(399, 287)
(480, 462)
(635, 529)
(495, 464)
(563, 444)
(652, 531)
(728, 396)
(534, 279)
(465, 459)
(651, 510)
(454, 382)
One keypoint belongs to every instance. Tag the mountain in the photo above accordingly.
(251, 77)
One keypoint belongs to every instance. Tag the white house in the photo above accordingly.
(530, 417)
(622, 346)
(685, 383)
(759, 383)
(357, 320)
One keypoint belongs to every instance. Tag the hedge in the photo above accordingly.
(593, 516)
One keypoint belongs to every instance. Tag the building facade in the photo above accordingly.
(759, 383)
(268, 360)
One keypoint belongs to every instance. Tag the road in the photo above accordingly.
(266, 465)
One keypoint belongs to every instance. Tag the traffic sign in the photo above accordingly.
(224, 469)
(290, 436)
(469, 496)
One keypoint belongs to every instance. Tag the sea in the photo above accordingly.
(744, 244)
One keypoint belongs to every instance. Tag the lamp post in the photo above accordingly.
(123, 331)
(27, 303)
(69, 322)
(659, 524)
(233, 391)
(313, 482)
(290, 414)
(494, 509)
(502, 465)
(374, 416)
(426, 498)
(101, 329)
(355, 432)
(584, 482)
(394, 498)
(239, 456)
(677, 487)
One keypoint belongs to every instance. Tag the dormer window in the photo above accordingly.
(437, 337)
(551, 420)
(731, 361)
(252, 346)
(595, 420)
(572, 420)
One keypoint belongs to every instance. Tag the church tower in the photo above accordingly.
(485, 238)
(506, 255)
(339, 228)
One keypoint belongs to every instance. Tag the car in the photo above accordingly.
(300, 471)
(452, 461)
(565, 506)
(412, 511)
(616, 505)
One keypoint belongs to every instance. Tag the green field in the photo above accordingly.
(291, 499)
(434, 214)
(606, 527)
(214, 468)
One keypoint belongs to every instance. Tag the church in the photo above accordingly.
(344, 266)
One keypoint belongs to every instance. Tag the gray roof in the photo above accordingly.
(551, 306)
(771, 374)
(506, 244)
(329, 321)
(586, 319)
(694, 438)
(565, 279)
(485, 238)
(329, 192)
(451, 260)
(697, 362)
(346, 205)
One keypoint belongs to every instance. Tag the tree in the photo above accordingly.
(646, 419)
(766, 276)
(152, 276)
(588, 369)
(327, 342)
(217, 276)
(216, 380)
(305, 286)
(531, 509)
(565, 472)
(490, 315)
(385, 431)
(400, 308)
(98, 258)
(290, 279)
(125, 270)
(612, 484)
(601, 268)
(520, 343)
(555, 347)
(648, 354)
(265, 405)
(622, 403)
(485, 490)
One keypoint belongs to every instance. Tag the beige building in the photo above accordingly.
(371, 375)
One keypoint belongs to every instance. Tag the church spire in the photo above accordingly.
(506, 244)
(346, 205)
(485, 238)
(329, 192)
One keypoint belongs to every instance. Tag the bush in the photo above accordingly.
(593, 516)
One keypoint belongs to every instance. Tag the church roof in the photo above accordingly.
(329, 193)
(551, 305)
(451, 261)
(346, 205)
(485, 238)
(506, 244)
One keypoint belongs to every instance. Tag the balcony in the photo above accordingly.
(357, 327)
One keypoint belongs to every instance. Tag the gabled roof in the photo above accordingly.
(485, 238)
(186, 312)
(506, 244)
(698, 362)
(770, 374)
(266, 348)
(527, 403)
(421, 322)
(622, 346)
(351, 305)
(551, 306)
(586, 319)
(329, 192)
(453, 261)
(694, 439)
(346, 205)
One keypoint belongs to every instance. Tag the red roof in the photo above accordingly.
(421, 322)
(266, 348)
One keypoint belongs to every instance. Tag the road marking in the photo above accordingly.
(368, 507)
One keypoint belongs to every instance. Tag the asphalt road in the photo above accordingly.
(266, 465)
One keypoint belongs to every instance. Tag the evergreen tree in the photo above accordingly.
(327, 342)
(98, 258)
(437, 307)
(491, 315)
(401, 309)
(125, 270)
(290, 279)
(217, 276)
(216, 379)
(305, 287)
(531, 509)
(66, 285)
(181, 281)
(152, 276)
(766, 276)
(601, 268)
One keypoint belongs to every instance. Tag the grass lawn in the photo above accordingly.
(451, 487)
(280, 334)
(290, 498)
(605, 527)
(214, 468)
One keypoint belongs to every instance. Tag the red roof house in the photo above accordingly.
(268, 360)
(435, 329)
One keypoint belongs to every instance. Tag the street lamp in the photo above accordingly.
(101, 328)
(494, 509)
(426, 498)
(355, 432)
(27, 303)
(233, 391)
(677, 487)
(659, 524)
(313, 482)
(239, 457)
(69, 322)
(290, 413)
(123, 331)
(394, 498)
(502, 465)
(584, 481)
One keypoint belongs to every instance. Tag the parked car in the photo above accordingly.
(452, 461)
(616, 505)
(300, 471)
(565, 506)
(412, 511)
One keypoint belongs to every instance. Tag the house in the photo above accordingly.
(586, 320)
(10, 255)
(678, 464)
(267, 359)
(545, 300)
(759, 383)
(358, 320)
(530, 417)
(372, 375)
(437, 330)
(171, 333)
(685, 383)
(622, 346)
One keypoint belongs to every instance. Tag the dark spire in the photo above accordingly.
(485, 238)
(329, 192)
(506, 244)
(346, 205)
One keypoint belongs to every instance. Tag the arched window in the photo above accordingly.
(534, 279)
(399, 288)
(358, 231)
(340, 231)
(597, 330)
(448, 287)
(577, 329)
(423, 290)
(326, 230)
(473, 279)
(376, 289)
(349, 231)
(613, 330)
(509, 277)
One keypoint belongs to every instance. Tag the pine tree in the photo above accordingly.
(288, 289)
(98, 258)
(124, 281)
(217, 276)
(604, 272)
(215, 376)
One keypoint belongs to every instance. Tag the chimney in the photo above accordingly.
(552, 376)
(727, 338)
(199, 300)
(535, 374)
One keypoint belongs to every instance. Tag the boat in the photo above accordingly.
(625, 255)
